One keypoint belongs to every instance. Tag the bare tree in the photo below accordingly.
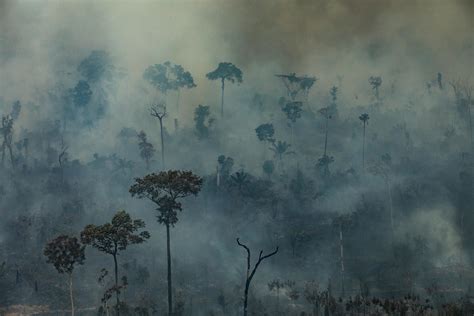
(159, 111)
(251, 273)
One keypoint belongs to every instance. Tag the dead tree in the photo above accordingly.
(250, 274)
(159, 111)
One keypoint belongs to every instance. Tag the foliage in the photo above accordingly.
(168, 76)
(226, 71)
(265, 132)
(64, 252)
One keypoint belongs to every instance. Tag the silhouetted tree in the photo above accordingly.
(159, 111)
(276, 286)
(202, 120)
(97, 66)
(168, 76)
(265, 132)
(146, 149)
(225, 71)
(7, 133)
(268, 167)
(114, 237)
(251, 273)
(64, 252)
(281, 149)
(164, 189)
(365, 120)
(376, 82)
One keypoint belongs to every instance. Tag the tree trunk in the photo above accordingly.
(168, 250)
(341, 247)
(222, 98)
(246, 295)
(116, 284)
(363, 150)
(71, 295)
(162, 145)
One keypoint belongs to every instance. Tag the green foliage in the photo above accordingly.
(164, 189)
(64, 252)
(117, 235)
(168, 76)
(293, 110)
(146, 149)
(265, 132)
(226, 71)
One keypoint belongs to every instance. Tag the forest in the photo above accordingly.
(300, 158)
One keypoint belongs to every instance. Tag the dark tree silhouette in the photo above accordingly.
(81, 94)
(114, 237)
(365, 120)
(281, 149)
(64, 252)
(376, 82)
(146, 149)
(169, 77)
(251, 273)
(7, 133)
(97, 66)
(341, 222)
(225, 71)
(159, 111)
(164, 189)
(202, 120)
(297, 85)
(265, 132)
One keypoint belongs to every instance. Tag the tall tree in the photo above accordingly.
(7, 133)
(64, 252)
(251, 273)
(159, 111)
(169, 77)
(165, 189)
(365, 120)
(146, 149)
(225, 71)
(114, 237)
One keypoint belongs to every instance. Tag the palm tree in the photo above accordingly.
(225, 71)
(365, 119)
(280, 149)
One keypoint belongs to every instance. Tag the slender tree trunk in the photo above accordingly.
(177, 102)
(341, 247)
(363, 150)
(162, 145)
(246, 295)
(11, 156)
(71, 295)
(470, 126)
(326, 138)
(222, 98)
(389, 189)
(116, 284)
(168, 250)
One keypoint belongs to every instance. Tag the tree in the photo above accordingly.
(240, 179)
(341, 222)
(276, 286)
(146, 149)
(169, 77)
(64, 252)
(114, 237)
(376, 82)
(365, 120)
(297, 85)
(159, 111)
(268, 167)
(7, 133)
(265, 132)
(81, 94)
(97, 67)
(281, 149)
(164, 189)
(313, 295)
(202, 120)
(383, 168)
(224, 167)
(293, 112)
(251, 273)
(225, 71)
